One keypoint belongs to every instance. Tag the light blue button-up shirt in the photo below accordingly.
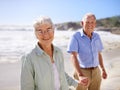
(86, 48)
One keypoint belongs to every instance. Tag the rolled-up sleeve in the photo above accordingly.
(73, 45)
(27, 75)
(71, 81)
(65, 78)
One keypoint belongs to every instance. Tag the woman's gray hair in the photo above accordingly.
(43, 20)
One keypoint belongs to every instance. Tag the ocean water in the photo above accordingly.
(14, 43)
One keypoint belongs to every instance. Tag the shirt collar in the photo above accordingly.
(83, 34)
(39, 51)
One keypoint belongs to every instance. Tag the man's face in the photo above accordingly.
(89, 24)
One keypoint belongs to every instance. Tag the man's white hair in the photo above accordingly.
(88, 15)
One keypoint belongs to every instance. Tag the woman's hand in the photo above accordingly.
(83, 80)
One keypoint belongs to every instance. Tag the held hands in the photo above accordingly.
(83, 80)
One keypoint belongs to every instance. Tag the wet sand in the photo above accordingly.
(10, 76)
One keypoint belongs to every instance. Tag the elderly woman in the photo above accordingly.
(43, 67)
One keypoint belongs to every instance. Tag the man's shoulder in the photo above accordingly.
(96, 34)
(77, 33)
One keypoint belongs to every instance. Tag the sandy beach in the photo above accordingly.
(10, 71)
(10, 76)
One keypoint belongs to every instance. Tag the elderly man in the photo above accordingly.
(85, 47)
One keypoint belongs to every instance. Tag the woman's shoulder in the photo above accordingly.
(56, 48)
(28, 53)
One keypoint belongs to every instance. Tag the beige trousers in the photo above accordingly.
(94, 76)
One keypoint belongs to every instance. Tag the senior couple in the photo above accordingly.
(43, 66)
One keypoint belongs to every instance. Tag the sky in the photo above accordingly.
(24, 12)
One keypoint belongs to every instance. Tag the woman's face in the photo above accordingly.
(45, 34)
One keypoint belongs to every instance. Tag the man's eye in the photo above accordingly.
(49, 30)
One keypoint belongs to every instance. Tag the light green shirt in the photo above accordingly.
(37, 72)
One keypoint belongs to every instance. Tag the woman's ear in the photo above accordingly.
(36, 34)
(81, 23)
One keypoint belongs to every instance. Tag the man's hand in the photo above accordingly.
(83, 80)
(104, 74)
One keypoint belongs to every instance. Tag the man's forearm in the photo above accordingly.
(101, 61)
(76, 65)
